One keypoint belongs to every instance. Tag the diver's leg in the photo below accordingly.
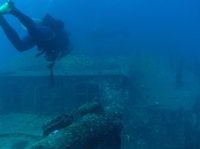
(20, 45)
(43, 33)
(24, 19)
(9, 8)
(40, 33)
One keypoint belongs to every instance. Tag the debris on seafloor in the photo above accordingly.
(88, 127)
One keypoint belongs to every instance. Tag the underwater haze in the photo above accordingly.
(122, 27)
(141, 54)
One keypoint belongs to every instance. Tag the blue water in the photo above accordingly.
(122, 26)
(161, 36)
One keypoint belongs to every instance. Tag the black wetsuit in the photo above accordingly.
(49, 37)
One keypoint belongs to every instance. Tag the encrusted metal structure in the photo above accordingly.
(32, 91)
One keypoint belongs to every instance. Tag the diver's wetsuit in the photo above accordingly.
(49, 36)
(21, 45)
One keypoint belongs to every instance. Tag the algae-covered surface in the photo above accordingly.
(155, 87)
(153, 82)
(20, 131)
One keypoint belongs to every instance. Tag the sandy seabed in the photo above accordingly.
(18, 130)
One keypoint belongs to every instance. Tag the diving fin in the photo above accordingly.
(5, 8)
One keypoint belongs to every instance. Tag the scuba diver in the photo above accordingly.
(47, 34)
